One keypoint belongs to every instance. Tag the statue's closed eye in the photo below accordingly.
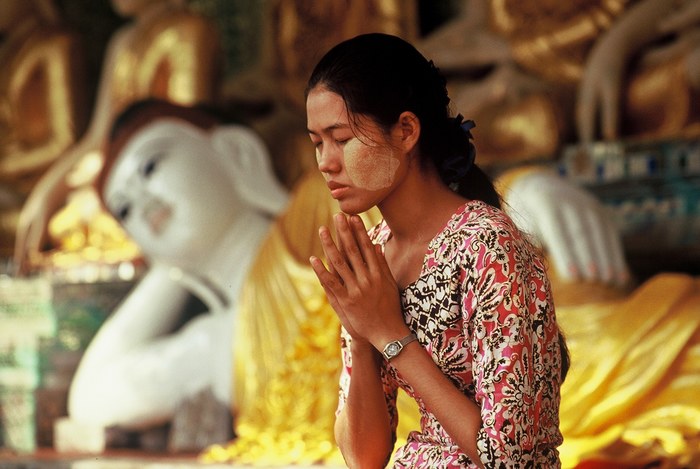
(151, 164)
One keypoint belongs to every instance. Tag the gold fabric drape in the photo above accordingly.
(287, 345)
(633, 392)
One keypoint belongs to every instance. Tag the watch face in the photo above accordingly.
(393, 348)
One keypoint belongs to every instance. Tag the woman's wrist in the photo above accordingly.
(363, 350)
(382, 339)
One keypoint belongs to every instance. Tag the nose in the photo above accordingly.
(328, 159)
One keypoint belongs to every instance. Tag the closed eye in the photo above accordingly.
(122, 213)
(151, 164)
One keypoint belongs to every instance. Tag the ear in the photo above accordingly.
(409, 129)
(246, 158)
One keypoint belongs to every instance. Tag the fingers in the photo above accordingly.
(356, 245)
(28, 242)
(607, 248)
(383, 265)
(557, 241)
(353, 263)
(581, 236)
(336, 259)
(610, 108)
(620, 274)
(366, 247)
(328, 280)
(585, 112)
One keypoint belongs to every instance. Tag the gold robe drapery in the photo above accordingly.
(287, 345)
(633, 391)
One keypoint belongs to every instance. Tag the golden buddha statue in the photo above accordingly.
(561, 72)
(166, 51)
(42, 102)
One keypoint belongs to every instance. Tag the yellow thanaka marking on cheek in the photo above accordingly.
(369, 167)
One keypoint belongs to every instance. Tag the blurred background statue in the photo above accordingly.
(165, 51)
(538, 74)
(42, 104)
(199, 236)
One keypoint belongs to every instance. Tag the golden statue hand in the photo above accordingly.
(32, 227)
(600, 90)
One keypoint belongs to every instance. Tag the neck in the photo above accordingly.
(227, 266)
(419, 208)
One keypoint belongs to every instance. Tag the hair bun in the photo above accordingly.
(456, 166)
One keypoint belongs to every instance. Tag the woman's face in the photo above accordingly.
(170, 192)
(360, 165)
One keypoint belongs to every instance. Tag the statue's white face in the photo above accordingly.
(171, 192)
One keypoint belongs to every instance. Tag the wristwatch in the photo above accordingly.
(392, 349)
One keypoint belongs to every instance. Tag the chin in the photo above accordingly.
(352, 208)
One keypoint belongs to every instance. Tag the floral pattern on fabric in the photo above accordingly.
(482, 309)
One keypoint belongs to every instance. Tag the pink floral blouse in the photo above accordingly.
(482, 308)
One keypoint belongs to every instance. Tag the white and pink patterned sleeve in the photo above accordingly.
(509, 304)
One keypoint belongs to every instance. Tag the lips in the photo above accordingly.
(337, 189)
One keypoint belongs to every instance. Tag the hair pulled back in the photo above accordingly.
(380, 76)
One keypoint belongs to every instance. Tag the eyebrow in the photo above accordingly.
(330, 128)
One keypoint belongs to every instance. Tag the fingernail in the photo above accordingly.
(624, 277)
(593, 269)
(573, 271)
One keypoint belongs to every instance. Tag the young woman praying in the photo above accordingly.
(445, 297)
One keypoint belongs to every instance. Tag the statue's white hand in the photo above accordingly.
(579, 235)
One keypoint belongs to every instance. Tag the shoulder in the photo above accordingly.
(479, 221)
(477, 234)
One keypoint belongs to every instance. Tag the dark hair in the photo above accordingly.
(380, 76)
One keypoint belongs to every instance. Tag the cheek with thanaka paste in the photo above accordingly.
(369, 167)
